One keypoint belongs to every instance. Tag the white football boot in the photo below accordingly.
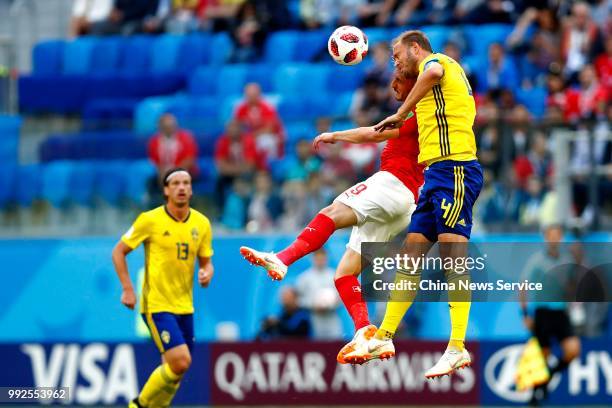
(373, 349)
(361, 336)
(450, 361)
(275, 267)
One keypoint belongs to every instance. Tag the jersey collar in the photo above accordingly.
(172, 216)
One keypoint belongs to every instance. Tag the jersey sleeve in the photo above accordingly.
(205, 249)
(138, 232)
(432, 59)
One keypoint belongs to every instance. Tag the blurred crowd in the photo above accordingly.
(553, 71)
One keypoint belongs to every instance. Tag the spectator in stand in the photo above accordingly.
(336, 168)
(500, 72)
(326, 13)
(381, 71)
(173, 16)
(305, 162)
(491, 11)
(489, 149)
(248, 34)
(173, 147)
(580, 34)
(541, 50)
(317, 196)
(529, 212)
(602, 15)
(558, 99)
(128, 16)
(234, 211)
(317, 293)
(235, 156)
(537, 162)
(261, 119)
(589, 101)
(293, 323)
(370, 103)
(265, 205)
(218, 15)
(603, 67)
(88, 16)
(521, 121)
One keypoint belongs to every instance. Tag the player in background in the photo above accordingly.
(174, 236)
(378, 209)
(548, 320)
(445, 111)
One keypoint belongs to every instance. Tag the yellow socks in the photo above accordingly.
(399, 302)
(459, 301)
(161, 383)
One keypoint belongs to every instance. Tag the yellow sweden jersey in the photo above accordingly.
(446, 115)
(171, 248)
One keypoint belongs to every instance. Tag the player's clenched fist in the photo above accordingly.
(205, 275)
(128, 298)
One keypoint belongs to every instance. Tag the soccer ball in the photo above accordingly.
(348, 45)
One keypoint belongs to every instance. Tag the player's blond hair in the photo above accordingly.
(414, 36)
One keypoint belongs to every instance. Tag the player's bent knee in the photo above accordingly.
(180, 363)
(342, 215)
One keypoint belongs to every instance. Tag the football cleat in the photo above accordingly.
(275, 267)
(373, 349)
(450, 361)
(361, 336)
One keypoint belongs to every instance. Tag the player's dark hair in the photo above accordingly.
(414, 36)
(167, 174)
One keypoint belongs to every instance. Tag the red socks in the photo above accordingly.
(310, 239)
(350, 292)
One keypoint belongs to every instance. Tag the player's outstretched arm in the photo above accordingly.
(424, 83)
(206, 271)
(356, 135)
(128, 296)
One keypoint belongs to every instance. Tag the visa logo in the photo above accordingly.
(80, 367)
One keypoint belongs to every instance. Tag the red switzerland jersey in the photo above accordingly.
(400, 156)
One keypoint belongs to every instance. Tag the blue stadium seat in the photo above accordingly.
(474, 64)
(297, 130)
(206, 182)
(293, 107)
(343, 79)
(278, 167)
(55, 147)
(195, 50)
(78, 55)
(135, 54)
(438, 36)
(534, 100)
(203, 81)
(199, 114)
(260, 73)
(9, 138)
(56, 182)
(480, 37)
(110, 180)
(82, 183)
(106, 55)
(140, 172)
(282, 46)
(340, 105)
(231, 79)
(8, 181)
(47, 58)
(311, 44)
(376, 35)
(300, 78)
(165, 52)
(221, 48)
(148, 112)
(320, 104)
(29, 187)
(108, 113)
